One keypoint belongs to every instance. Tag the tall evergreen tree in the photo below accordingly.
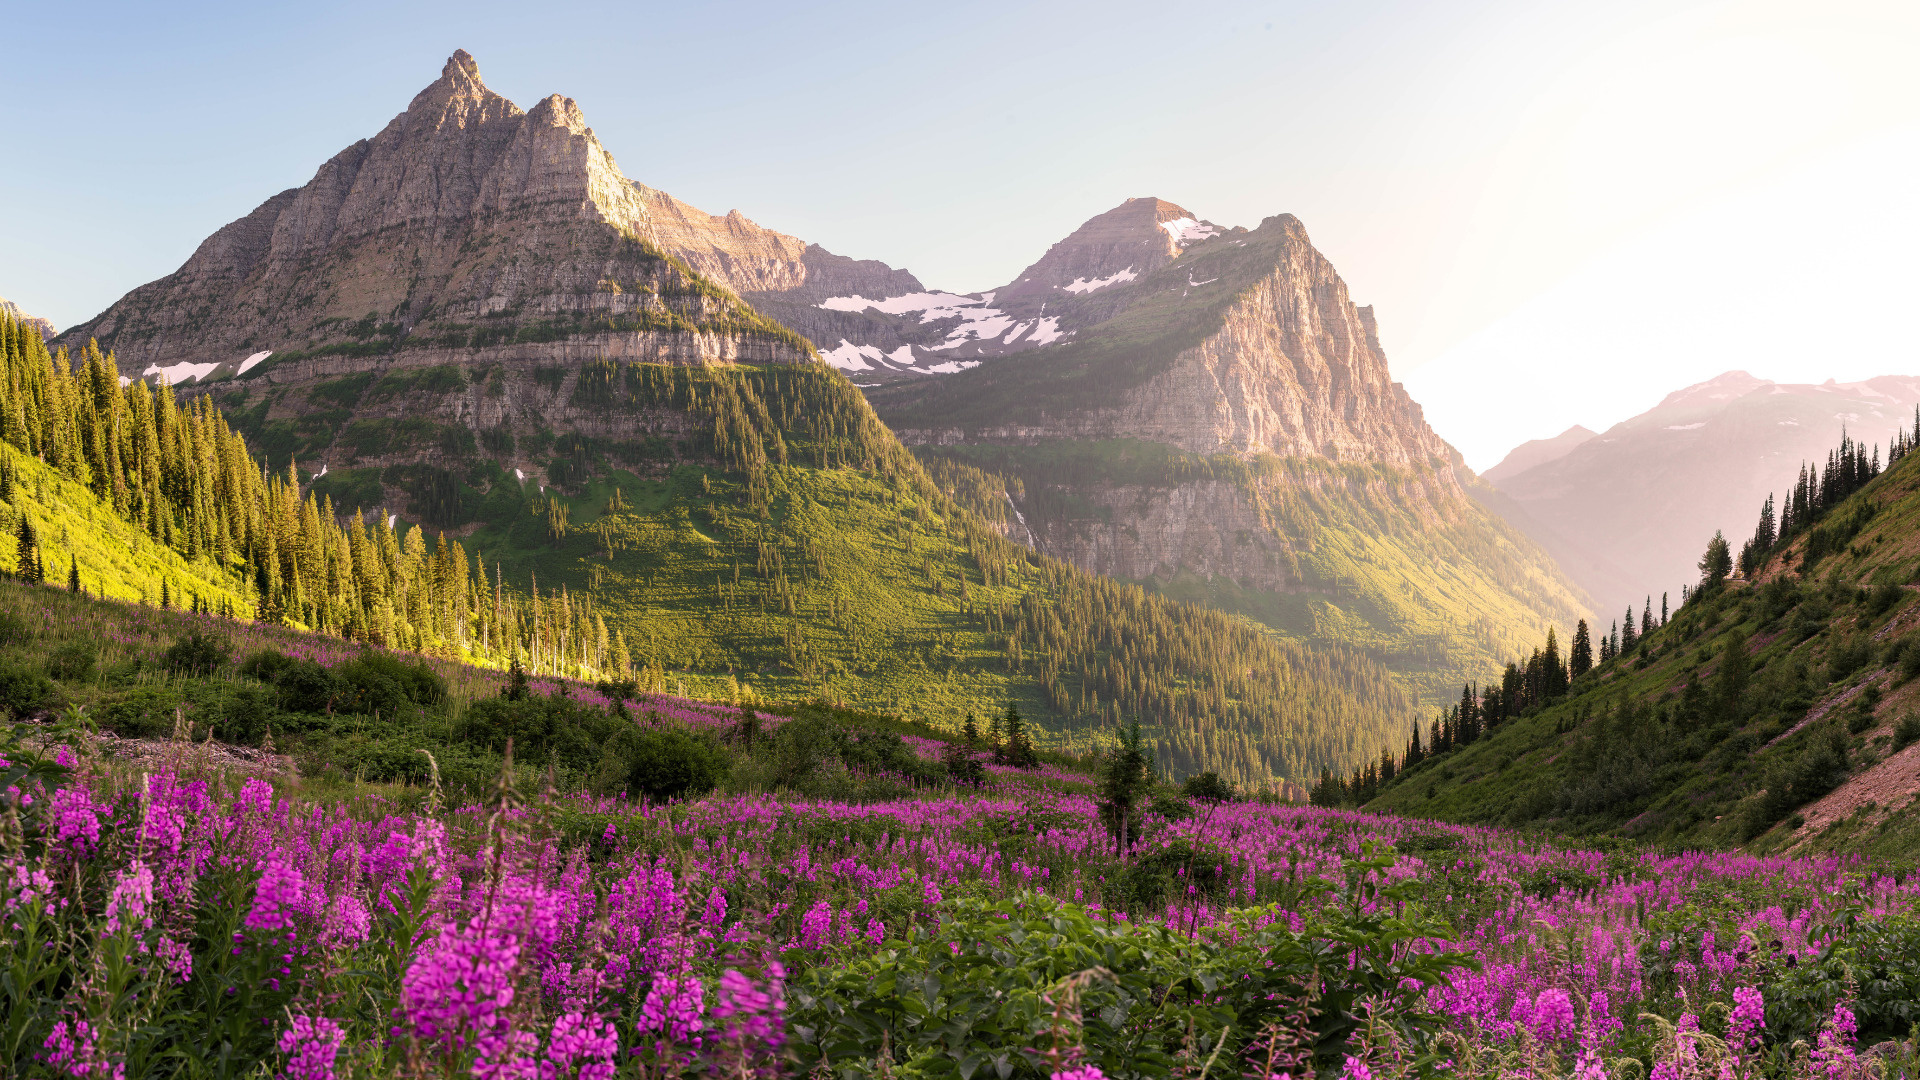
(1580, 656)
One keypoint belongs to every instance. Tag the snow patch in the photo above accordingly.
(850, 357)
(182, 372)
(1686, 427)
(952, 366)
(1197, 284)
(252, 360)
(1186, 230)
(978, 322)
(1048, 332)
(1087, 285)
(322, 472)
(520, 476)
(1789, 423)
(391, 518)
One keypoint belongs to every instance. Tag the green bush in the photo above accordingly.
(380, 682)
(1207, 787)
(14, 630)
(1870, 962)
(545, 730)
(24, 691)
(75, 661)
(145, 713)
(197, 653)
(1906, 732)
(301, 686)
(663, 763)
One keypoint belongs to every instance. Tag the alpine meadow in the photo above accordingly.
(482, 615)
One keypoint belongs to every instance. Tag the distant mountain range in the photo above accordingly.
(1632, 506)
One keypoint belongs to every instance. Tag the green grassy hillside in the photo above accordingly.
(1433, 588)
(1776, 711)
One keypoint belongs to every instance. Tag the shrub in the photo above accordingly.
(196, 654)
(1906, 732)
(962, 766)
(75, 661)
(380, 682)
(24, 691)
(300, 685)
(996, 964)
(1885, 596)
(663, 763)
(1207, 787)
(146, 713)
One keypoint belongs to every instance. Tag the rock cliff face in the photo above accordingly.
(465, 226)
(1292, 368)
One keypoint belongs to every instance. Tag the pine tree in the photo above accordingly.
(73, 574)
(1628, 635)
(1580, 656)
(1717, 563)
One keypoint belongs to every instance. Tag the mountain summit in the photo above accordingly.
(465, 227)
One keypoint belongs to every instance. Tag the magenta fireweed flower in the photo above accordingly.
(749, 1016)
(311, 1044)
(457, 992)
(76, 821)
(1355, 1069)
(580, 1047)
(75, 1051)
(1749, 1016)
(132, 895)
(673, 1008)
(346, 923)
(1084, 1072)
(1834, 1055)
(279, 896)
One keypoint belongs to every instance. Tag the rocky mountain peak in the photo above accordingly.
(463, 219)
(1127, 242)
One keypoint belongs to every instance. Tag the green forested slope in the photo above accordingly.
(781, 545)
(1775, 708)
(1381, 560)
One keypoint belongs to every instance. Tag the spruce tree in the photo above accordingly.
(1126, 772)
(1580, 656)
(1717, 563)
(73, 574)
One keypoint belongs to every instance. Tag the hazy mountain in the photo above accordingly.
(1536, 452)
(1646, 493)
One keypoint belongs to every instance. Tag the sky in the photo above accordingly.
(1559, 211)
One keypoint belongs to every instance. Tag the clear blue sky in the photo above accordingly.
(1495, 176)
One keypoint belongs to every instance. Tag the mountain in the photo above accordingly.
(1775, 710)
(1644, 494)
(474, 325)
(466, 230)
(1535, 452)
(1217, 421)
(11, 309)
